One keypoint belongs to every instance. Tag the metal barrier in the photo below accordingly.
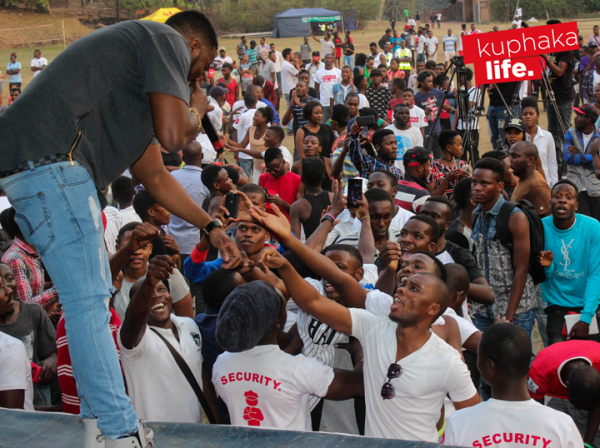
(57, 430)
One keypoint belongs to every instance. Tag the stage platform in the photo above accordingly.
(53, 430)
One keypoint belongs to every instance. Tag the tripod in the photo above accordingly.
(457, 64)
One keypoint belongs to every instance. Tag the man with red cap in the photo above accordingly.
(412, 190)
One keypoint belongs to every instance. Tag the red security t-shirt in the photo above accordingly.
(285, 186)
(544, 374)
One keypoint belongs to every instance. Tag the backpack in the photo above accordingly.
(536, 235)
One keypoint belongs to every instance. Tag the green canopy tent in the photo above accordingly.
(296, 22)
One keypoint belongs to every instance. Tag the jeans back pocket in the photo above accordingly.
(33, 217)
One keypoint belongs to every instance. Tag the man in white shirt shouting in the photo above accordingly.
(399, 403)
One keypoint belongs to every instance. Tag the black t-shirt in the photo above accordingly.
(563, 85)
(507, 89)
(465, 258)
(349, 49)
(105, 79)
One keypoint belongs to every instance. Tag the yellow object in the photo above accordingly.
(162, 14)
(195, 112)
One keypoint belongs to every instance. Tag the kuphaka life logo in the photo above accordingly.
(514, 55)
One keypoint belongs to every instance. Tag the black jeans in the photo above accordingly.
(556, 323)
(589, 205)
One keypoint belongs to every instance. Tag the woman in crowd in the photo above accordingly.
(255, 137)
(449, 169)
(395, 71)
(233, 90)
(313, 112)
(360, 61)
(349, 53)
(541, 138)
(366, 71)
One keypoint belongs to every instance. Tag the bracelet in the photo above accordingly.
(328, 217)
(195, 112)
(366, 216)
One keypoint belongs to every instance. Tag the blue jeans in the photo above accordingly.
(496, 117)
(524, 320)
(290, 125)
(349, 61)
(59, 213)
(247, 165)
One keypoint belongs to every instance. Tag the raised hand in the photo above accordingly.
(270, 258)
(159, 268)
(277, 224)
(141, 236)
(390, 255)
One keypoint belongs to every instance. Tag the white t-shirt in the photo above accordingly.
(417, 118)
(215, 115)
(428, 374)
(287, 155)
(177, 285)
(362, 101)
(288, 77)
(15, 368)
(421, 44)
(431, 43)
(129, 215)
(406, 140)
(242, 125)
(208, 151)
(327, 47)
(438, 17)
(265, 387)
(511, 424)
(326, 79)
(38, 63)
(517, 22)
(219, 61)
(241, 104)
(465, 327)
(312, 70)
(158, 389)
(586, 139)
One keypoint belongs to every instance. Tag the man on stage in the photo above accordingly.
(85, 119)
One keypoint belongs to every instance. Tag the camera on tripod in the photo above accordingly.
(458, 61)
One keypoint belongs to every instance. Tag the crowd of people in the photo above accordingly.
(377, 278)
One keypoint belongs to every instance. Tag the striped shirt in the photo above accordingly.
(27, 268)
(412, 193)
(349, 171)
(319, 339)
(68, 386)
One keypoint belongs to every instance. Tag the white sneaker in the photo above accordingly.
(144, 435)
(91, 434)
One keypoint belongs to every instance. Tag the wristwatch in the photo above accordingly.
(212, 225)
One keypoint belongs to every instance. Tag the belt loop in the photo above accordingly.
(31, 165)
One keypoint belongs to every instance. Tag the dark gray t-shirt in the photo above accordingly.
(108, 73)
(34, 328)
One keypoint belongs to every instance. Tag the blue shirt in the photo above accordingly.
(186, 234)
(15, 66)
(395, 42)
(449, 43)
(207, 323)
(573, 278)
(276, 119)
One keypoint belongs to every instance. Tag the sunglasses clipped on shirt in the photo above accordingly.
(388, 391)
